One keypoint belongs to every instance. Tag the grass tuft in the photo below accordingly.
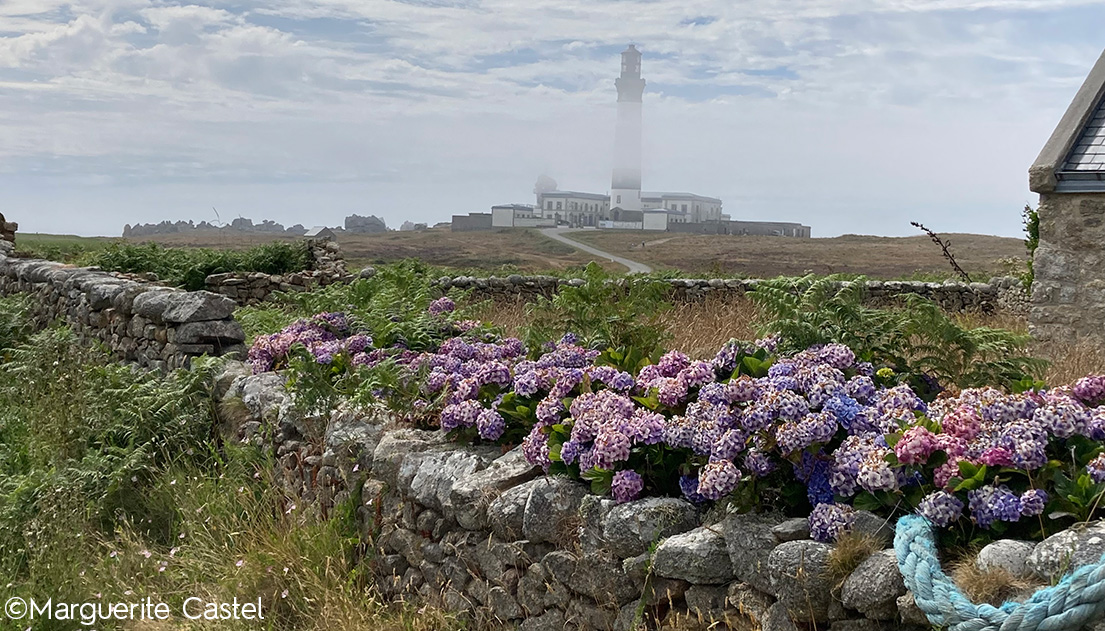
(851, 549)
(993, 586)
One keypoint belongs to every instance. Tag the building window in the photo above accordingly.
(548, 204)
(558, 205)
(619, 199)
(684, 208)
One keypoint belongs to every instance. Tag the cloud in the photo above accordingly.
(849, 115)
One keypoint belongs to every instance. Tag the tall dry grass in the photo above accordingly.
(1070, 362)
(700, 328)
(697, 328)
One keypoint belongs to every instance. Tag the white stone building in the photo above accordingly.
(625, 206)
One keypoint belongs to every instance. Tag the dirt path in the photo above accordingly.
(560, 234)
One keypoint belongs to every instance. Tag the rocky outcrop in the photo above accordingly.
(372, 224)
(7, 230)
(240, 224)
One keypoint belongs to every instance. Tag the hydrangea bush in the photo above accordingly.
(816, 432)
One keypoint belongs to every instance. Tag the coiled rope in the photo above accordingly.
(1076, 601)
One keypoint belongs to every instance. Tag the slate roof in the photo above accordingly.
(1089, 152)
(1073, 160)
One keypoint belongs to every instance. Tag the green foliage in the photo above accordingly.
(390, 306)
(603, 313)
(917, 341)
(14, 321)
(1031, 219)
(58, 247)
(80, 437)
(189, 267)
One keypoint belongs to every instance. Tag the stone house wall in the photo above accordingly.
(485, 535)
(1068, 297)
(159, 328)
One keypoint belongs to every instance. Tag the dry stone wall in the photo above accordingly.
(487, 536)
(1003, 293)
(156, 327)
(249, 288)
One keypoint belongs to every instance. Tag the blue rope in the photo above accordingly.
(1076, 601)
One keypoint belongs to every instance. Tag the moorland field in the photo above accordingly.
(527, 251)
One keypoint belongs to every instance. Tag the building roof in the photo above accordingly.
(1073, 159)
(651, 196)
(1089, 152)
(514, 206)
(594, 196)
(319, 231)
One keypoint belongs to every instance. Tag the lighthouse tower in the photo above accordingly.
(625, 187)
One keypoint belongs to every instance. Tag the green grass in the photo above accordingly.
(115, 486)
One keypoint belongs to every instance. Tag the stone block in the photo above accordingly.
(799, 579)
(471, 495)
(699, 556)
(552, 511)
(629, 529)
(750, 538)
(219, 333)
(874, 586)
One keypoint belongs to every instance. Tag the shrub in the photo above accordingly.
(190, 267)
(1031, 219)
(815, 433)
(918, 341)
(80, 438)
(604, 313)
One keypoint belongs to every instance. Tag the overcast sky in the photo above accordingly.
(852, 116)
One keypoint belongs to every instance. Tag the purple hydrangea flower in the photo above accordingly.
(1033, 502)
(993, 503)
(718, 479)
(941, 508)
(442, 305)
(688, 484)
(1090, 390)
(626, 486)
(758, 463)
(1096, 469)
(829, 521)
(535, 447)
(490, 425)
(875, 474)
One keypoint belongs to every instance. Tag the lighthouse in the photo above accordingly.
(625, 186)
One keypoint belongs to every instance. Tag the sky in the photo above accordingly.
(851, 116)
